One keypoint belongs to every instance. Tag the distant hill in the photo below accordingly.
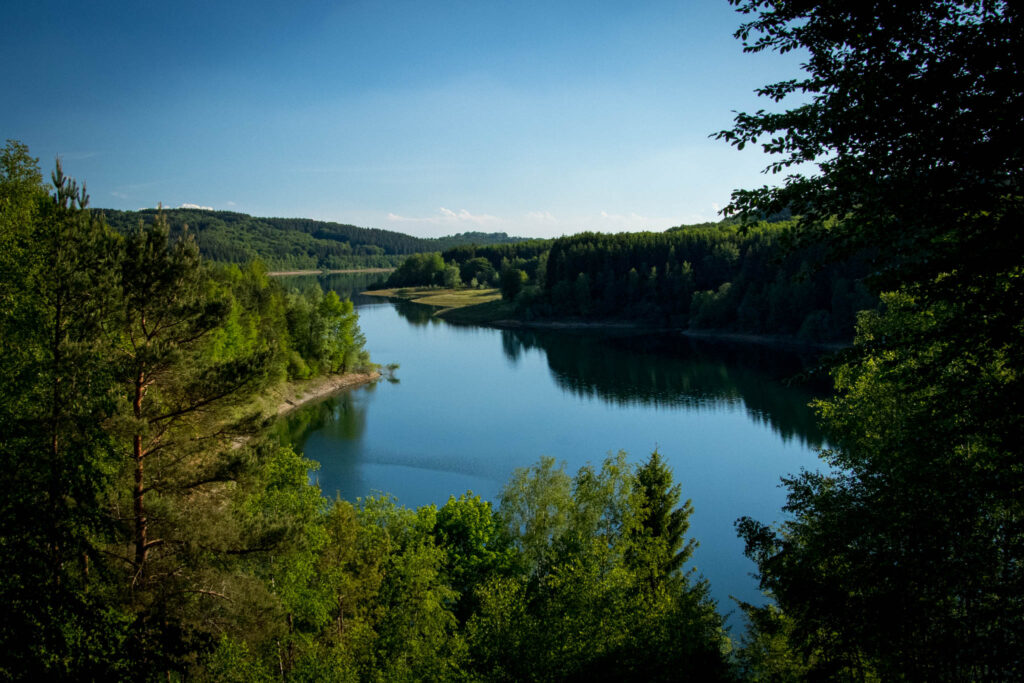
(296, 243)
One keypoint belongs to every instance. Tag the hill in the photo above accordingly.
(296, 243)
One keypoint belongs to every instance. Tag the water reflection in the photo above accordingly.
(629, 368)
(339, 417)
(347, 285)
(416, 314)
(665, 370)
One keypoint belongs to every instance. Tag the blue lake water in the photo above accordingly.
(472, 404)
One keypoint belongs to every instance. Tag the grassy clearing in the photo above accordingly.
(457, 305)
(450, 298)
(440, 298)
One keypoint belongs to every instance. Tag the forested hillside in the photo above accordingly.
(153, 527)
(294, 243)
(712, 276)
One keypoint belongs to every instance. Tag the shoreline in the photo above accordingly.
(777, 341)
(346, 271)
(459, 313)
(298, 393)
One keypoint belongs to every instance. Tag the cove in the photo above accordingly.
(471, 404)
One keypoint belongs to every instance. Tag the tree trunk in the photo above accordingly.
(139, 504)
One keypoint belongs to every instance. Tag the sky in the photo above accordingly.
(431, 118)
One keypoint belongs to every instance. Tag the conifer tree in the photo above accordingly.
(53, 400)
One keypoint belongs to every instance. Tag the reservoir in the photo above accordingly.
(470, 404)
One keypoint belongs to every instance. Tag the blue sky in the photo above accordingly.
(533, 118)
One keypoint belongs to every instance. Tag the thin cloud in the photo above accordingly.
(631, 221)
(195, 206)
(544, 217)
(448, 217)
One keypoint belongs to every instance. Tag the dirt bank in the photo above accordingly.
(300, 392)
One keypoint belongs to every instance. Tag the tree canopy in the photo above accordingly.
(904, 561)
(908, 115)
(294, 243)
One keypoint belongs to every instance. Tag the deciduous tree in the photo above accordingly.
(906, 560)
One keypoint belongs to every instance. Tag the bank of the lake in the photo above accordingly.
(342, 271)
(485, 307)
(295, 394)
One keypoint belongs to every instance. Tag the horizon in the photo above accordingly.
(430, 120)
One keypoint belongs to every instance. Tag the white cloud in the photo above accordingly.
(447, 217)
(543, 217)
(195, 206)
(628, 222)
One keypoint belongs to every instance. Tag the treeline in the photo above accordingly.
(469, 265)
(152, 528)
(719, 278)
(293, 243)
(710, 276)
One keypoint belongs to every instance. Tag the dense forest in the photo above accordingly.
(154, 527)
(719, 276)
(293, 243)
(906, 560)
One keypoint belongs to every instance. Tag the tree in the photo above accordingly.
(576, 605)
(479, 269)
(476, 548)
(663, 526)
(452, 280)
(58, 293)
(512, 280)
(910, 118)
(181, 408)
(906, 560)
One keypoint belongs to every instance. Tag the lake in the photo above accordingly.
(472, 404)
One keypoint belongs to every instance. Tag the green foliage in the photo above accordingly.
(767, 653)
(705, 277)
(419, 269)
(708, 276)
(323, 334)
(293, 243)
(900, 557)
(660, 545)
(126, 371)
(57, 291)
(512, 281)
(576, 605)
(907, 109)
(476, 547)
(904, 562)
(479, 269)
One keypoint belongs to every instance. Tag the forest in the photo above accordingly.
(722, 276)
(292, 243)
(153, 528)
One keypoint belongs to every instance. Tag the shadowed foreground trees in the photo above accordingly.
(126, 365)
(907, 561)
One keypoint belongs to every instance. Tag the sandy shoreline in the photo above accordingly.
(296, 394)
